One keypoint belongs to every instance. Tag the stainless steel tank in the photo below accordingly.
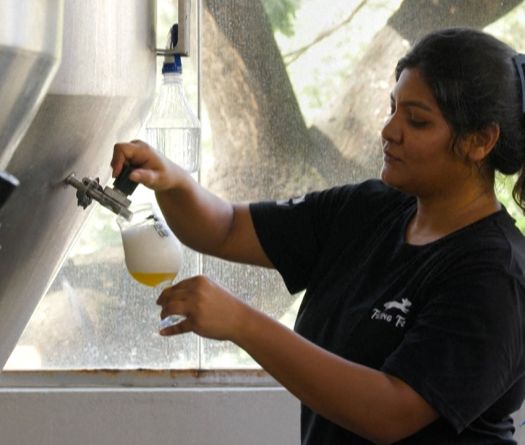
(30, 44)
(100, 94)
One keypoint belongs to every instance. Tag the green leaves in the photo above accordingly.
(281, 14)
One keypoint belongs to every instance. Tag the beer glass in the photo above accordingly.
(153, 254)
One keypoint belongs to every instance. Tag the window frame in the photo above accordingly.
(141, 378)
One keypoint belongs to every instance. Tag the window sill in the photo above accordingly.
(141, 378)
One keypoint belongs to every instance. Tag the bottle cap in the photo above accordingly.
(172, 64)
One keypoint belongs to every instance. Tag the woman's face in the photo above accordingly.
(417, 141)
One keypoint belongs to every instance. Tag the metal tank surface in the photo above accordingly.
(100, 94)
(30, 43)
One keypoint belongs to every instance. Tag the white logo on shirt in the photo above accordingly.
(387, 316)
(403, 306)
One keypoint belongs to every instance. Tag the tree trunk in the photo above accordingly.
(411, 21)
(261, 145)
(259, 135)
(350, 127)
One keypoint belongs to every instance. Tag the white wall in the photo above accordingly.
(171, 416)
(199, 416)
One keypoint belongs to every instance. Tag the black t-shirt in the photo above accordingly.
(446, 317)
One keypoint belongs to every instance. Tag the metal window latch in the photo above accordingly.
(114, 198)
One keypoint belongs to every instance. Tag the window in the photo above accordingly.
(283, 112)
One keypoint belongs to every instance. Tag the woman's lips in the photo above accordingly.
(388, 157)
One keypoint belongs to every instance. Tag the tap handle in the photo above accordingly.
(122, 181)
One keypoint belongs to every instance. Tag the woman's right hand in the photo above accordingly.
(200, 219)
(151, 168)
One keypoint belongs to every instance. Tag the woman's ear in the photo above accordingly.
(480, 143)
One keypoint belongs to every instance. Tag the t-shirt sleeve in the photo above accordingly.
(294, 232)
(291, 234)
(463, 350)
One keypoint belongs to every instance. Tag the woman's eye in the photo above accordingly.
(418, 123)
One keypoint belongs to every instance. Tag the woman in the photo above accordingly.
(411, 328)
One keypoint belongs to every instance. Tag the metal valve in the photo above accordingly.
(114, 198)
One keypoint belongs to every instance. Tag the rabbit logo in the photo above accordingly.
(397, 319)
(404, 306)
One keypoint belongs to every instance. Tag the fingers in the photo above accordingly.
(181, 300)
(135, 152)
(174, 307)
(150, 167)
(209, 310)
(180, 328)
(177, 291)
(146, 177)
(171, 320)
(118, 160)
(174, 301)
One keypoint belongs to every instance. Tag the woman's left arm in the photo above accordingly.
(368, 402)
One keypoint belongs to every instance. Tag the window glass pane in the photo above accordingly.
(293, 96)
(96, 316)
(260, 97)
(302, 109)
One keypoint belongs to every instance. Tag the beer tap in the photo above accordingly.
(114, 198)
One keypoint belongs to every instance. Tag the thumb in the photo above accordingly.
(149, 178)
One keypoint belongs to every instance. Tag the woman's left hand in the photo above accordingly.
(210, 310)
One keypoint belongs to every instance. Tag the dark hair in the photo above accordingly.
(475, 83)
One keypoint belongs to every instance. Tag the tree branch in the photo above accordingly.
(294, 55)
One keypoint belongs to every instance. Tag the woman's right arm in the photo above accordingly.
(200, 219)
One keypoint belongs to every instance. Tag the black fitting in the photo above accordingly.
(174, 35)
(122, 181)
(7, 184)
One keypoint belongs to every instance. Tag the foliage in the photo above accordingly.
(504, 185)
(282, 14)
(509, 28)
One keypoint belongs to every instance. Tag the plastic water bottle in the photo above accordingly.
(172, 127)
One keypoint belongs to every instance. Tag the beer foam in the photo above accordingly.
(149, 250)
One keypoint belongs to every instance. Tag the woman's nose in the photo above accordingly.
(391, 131)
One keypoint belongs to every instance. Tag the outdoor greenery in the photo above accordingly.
(510, 30)
(323, 81)
(282, 14)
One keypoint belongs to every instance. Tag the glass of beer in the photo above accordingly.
(152, 252)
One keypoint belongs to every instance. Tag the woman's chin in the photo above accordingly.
(391, 179)
(387, 176)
